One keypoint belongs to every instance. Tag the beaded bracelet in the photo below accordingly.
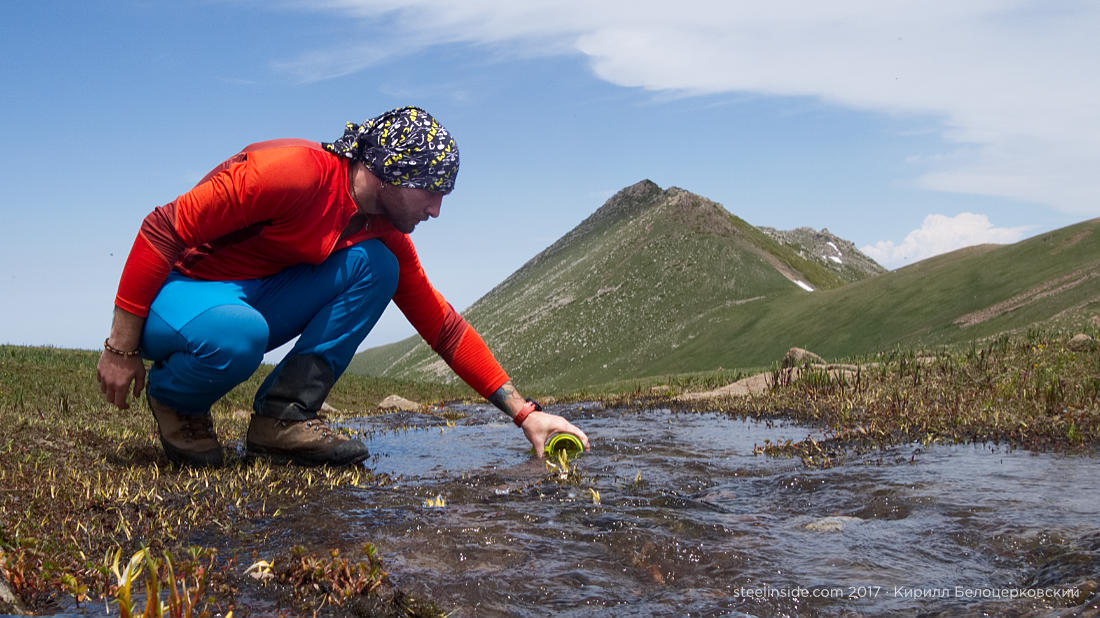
(531, 406)
(113, 350)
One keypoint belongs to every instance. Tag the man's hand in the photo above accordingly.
(539, 426)
(116, 373)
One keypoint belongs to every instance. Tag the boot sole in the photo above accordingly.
(207, 459)
(279, 456)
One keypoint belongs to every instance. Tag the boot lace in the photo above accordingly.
(318, 424)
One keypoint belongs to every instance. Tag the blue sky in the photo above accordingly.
(910, 128)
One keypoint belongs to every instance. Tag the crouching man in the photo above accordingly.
(292, 238)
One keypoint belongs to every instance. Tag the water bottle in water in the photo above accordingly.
(566, 442)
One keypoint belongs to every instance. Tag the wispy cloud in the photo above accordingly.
(1008, 79)
(940, 234)
(320, 65)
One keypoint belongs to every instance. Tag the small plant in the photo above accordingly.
(125, 581)
(334, 578)
(562, 470)
(183, 598)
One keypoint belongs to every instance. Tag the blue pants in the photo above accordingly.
(205, 337)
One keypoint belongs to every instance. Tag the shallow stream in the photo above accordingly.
(690, 522)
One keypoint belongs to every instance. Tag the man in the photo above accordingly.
(292, 238)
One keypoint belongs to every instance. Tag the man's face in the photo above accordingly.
(406, 207)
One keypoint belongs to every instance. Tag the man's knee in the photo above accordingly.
(229, 338)
(377, 264)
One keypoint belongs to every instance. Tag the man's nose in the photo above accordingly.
(433, 208)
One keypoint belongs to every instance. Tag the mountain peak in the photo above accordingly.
(626, 203)
(646, 272)
(640, 188)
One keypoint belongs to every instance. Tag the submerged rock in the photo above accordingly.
(832, 524)
(1072, 567)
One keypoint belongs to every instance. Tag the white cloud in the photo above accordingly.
(1009, 79)
(940, 234)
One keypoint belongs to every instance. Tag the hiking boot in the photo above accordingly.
(188, 439)
(307, 443)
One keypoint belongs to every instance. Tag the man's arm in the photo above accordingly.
(463, 349)
(538, 426)
(117, 371)
(215, 207)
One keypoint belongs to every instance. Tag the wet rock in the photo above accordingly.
(9, 602)
(1082, 343)
(832, 524)
(798, 356)
(397, 402)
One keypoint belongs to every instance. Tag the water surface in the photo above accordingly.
(690, 522)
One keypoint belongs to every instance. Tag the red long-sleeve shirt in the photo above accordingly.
(278, 204)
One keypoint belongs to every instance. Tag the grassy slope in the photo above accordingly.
(658, 283)
(916, 305)
(609, 298)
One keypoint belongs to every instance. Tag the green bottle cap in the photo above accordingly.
(564, 442)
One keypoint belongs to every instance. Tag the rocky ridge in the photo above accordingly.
(835, 253)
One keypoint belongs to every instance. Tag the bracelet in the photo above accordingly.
(528, 408)
(113, 350)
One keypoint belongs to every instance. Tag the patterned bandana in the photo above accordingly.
(404, 147)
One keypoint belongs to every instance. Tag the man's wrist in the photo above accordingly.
(530, 406)
(126, 331)
(118, 351)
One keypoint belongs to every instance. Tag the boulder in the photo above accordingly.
(752, 385)
(397, 402)
(797, 356)
(327, 409)
(763, 382)
(1081, 343)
